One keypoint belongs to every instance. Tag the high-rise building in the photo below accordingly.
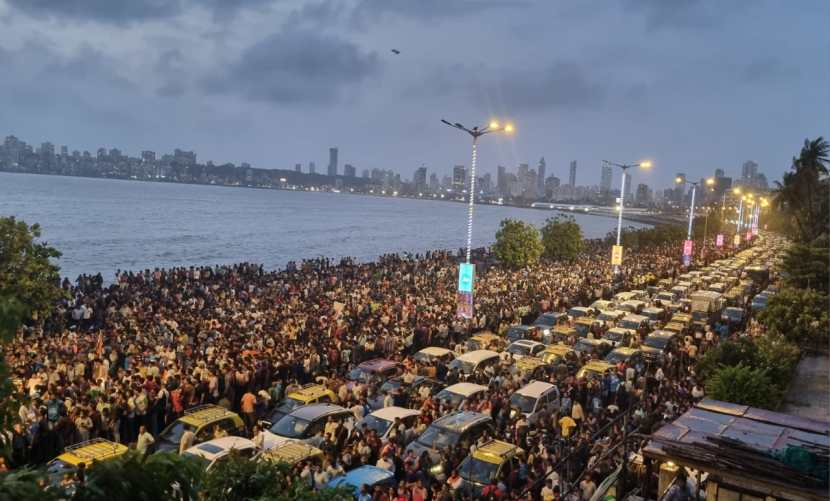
(627, 182)
(434, 183)
(420, 179)
(332, 171)
(572, 177)
(605, 178)
(349, 170)
(459, 178)
(501, 180)
(298, 167)
(719, 173)
(680, 188)
(541, 171)
(312, 169)
(64, 151)
(643, 195)
(148, 156)
(748, 172)
(365, 174)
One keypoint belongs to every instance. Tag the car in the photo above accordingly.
(592, 346)
(580, 311)
(631, 357)
(485, 341)
(394, 386)
(547, 321)
(95, 450)
(584, 325)
(382, 420)
(656, 344)
(474, 361)
(635, 322)
(459, 428)
(291, 452)
(561, 333)
(601, 304)
(632, 306)
(372, 371)
(618, 336)
(370, 476)
(211, 452)
(534, 398)
(611, 317)
(308, 394)
(733, 316)
(455, 395)
(525, 348)
(594, 369)
(202, 420)
(434, 354)
(530, 367)
(759, 302)
(306, 423)
(654, 315)
(493, 460)
(401, 391)
(519, 332)
(556, 353)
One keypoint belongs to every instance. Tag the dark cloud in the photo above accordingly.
(299, 67)
(124, 12)
(672, 13)
(316, 14)
(560, 85)
(426, 10)
(765, 69)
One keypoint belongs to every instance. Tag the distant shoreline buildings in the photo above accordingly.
(521, 187)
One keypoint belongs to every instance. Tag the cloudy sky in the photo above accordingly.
(692, 85)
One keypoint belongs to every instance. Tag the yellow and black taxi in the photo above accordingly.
(485, 341)
(86, 453)
(491, 461)
(530, 367)
(308, 394)
(205, 421)
(594, 369)
(292, 452)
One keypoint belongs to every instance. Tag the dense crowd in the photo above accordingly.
(122, 360)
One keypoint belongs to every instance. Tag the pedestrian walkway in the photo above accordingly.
(809, 394)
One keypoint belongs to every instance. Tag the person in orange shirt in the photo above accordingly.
(247, 405)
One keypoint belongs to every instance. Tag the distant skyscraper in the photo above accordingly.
(349, 170)
(572, 177)
(365, 174)
(420, 179)
(332, 171)
(719, 173)
(501, 180)
(748, 172)
(605, 178)
(459, 178)
(298, 167)
(627, 185)
(148, 156)
(643, 195)
(540, 176)
(434, 183)
(312, 169)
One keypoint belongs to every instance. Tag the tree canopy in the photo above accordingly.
(562, 238)
(517, 243)
(803, 194)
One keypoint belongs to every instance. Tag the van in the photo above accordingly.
(634, 322)
(460, 428)
(457, 394)
(534, 398)
(306, 424)
(519, 332)
(656, 344)
(595, 369)
(474, 361)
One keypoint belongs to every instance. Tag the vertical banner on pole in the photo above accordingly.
(737, 240)
(687, 247)
(466, 273)
(616, 255)
(749, 235)
(719, 241)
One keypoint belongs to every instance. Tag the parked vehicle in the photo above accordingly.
(525, 348)
(493, 460)
(455, 395)
(474, 361)
(306, 424)
(534, 398)
(203, 421)
(462, 428)
(209, 454)
(370, 476)
(383, 420)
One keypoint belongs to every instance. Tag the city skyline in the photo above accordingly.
(298, 78)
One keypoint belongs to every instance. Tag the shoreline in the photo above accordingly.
(634, 218)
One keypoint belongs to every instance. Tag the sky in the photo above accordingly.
(690, 85)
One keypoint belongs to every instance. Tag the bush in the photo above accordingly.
(744, 385)
(806, 265)
(778, 356)
(729, 353)
(562, 238)
(517, 243)
(800, 315)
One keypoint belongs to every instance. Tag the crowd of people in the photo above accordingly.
(122, 360)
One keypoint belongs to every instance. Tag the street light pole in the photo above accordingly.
(624, 168)
(691, 212)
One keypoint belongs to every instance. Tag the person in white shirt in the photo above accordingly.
(386, 463)
(144, 441)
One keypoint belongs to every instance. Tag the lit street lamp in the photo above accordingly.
(737, 191)
(687, 252)
(465, 273)
(644, 165)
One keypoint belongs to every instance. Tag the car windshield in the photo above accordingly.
(480, 472)
(665, 296)
(473, 345)
(175, 432)
(58, 467)
(453, 398)
(377, 424)
(518, 349)
(438, 438)
(629, 324)
(360, 375)
(613, 335)
(658, 342)
(465, 367)
(545, 321)
(607, 316)
(576, 313)
(616, 357)
(524, 403)
(290, 426)
(583, 346)
(288, 405)
(391, 385)
(514, 334)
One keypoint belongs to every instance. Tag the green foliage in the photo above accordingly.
(562, 238)
(808, 265)
(633, 238)
(728, 353)
(778, 356)
(27, 485)
(800, 315)
(27, 273)
(744, 385)
(517, 243)
(134, 476)
(803, 195)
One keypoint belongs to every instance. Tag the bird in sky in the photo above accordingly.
(396, 51)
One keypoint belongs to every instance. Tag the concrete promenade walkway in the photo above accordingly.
(809, 393)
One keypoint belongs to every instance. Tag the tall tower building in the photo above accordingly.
(605, 179)
(541, 174)
(312, 169)
(349, 170)
(627, 177)
(332, 171)
(459, 178)
(298, 167)
(420, 179)
(572, 177)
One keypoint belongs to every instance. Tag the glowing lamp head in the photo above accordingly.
(494, 124)
(509, 128)
(646, 164)
(678, 180)
(736, 191)
(710, 181)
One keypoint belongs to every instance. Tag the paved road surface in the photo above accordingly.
(809, 394)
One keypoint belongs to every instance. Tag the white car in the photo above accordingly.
(211, 452)
(525, 348)
(459, 393)
(383, 419)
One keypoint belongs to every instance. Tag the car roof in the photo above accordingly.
(205, 414)
(390, 413)
(535, 389)
(458, 421)
(625, 350)
(435, 351)
(310, 391)
(559, 349)
(635, 318)
(212, 449)
(365, 474)
(292, 451)
(314, 411)
(521, 327)
(496, 451)
(598, 365)
(377, 364)
(485, 336)
(661, 333)
(619, 330)
(526, 342)
(465, 389)
(96, 449)
(476, 356)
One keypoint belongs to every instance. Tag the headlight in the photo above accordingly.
(437, 469)
(512, 413)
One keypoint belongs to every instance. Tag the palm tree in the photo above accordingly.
(804, 190)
